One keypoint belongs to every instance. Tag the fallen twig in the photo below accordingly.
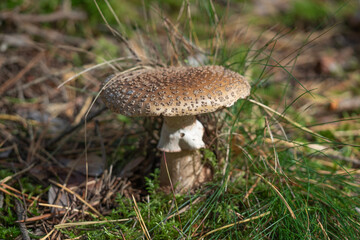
(233, 224)
(280, 195)
(116, 33)
(20, 212)
(9, 83)
(5, 186)
(343, 105)
(16, 174)
(48, 235)
(64, 207)
(289, 120)
(12, 194)
(40, 217)
(50, 34)
(77, 196)
(1, 199)
(73, 128)
(141, 220)
(251, 189)
(75, 224)
(41, 18)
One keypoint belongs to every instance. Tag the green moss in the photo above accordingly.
(9, 232)
(314, 13)
(8, 227)
(124, 10)
(10, 4)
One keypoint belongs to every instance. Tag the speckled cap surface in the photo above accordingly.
(173, 91)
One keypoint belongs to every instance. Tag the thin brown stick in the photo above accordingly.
(16, 174)
(48, 235)
(63, 207)
(233, 224)
(51, 35)
(116, 33)
(40, 217)
(277, 162)
(141, 220)
(71, 129)
(323, 229)
(184, 209)
(5, 186)
(75, 224)
(251, 189)
(280, 195)
(1, 199)
(77, 196)
(12, 194)
(40, 18)
(21, 215)
(289, 120)
(9, 83)
(342, 105)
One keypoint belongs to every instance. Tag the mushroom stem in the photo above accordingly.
(181, 139)
(185, 170)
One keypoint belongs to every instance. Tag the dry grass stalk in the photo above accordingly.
(75, 224)
(251, 189)
(78, 197)
(289, 120)
(233, 224)
(9, 83)
(140, 219)
(279, 194)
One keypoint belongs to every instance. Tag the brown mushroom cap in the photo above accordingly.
(174, 91)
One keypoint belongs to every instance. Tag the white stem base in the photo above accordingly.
(184, 169)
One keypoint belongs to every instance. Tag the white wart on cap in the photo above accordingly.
(174, 91)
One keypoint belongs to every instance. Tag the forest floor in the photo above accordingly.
(285, 162)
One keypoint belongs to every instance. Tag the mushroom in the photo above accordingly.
(178, 94)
